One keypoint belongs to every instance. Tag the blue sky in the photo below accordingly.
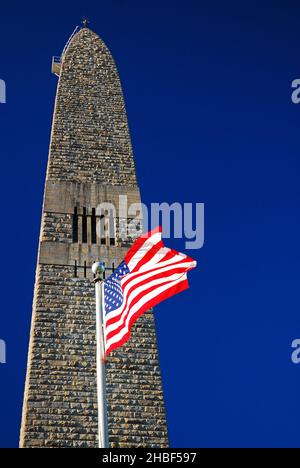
(208, 95)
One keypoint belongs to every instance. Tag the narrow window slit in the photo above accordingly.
(75, 225)
(84, 227)
(93, 226)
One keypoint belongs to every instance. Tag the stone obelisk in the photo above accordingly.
(90, 162)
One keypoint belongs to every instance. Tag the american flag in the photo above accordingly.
(149, 273)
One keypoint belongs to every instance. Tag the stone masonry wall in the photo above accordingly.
(61, 409)
(57, 227)
(90, 137)
(90, 161)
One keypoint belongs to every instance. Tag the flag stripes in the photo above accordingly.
(149, 274)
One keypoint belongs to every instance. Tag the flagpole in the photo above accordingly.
(98, 270)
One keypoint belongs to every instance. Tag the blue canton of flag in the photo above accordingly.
(113, 294)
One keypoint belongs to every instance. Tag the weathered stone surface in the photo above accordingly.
(90, 161)
(90, 140)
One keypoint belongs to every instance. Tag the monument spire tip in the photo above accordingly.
(85, 23)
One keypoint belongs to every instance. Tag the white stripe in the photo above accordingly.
(135, 293)
(144, 249)
(136, 280)
(156, 267)
(138, 305)
(156, 258)
(171, 260)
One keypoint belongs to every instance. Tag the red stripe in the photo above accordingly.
(149, 255)
(139, 243)
(143, 293)
(153, 302)
(130, 276)
(185, 257)
(167, 257)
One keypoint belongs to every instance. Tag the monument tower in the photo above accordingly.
(90, 163)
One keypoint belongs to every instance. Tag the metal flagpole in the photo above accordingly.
(98, 270)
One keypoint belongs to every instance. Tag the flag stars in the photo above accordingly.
(113, 294)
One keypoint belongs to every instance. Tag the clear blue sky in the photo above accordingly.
(207, 89)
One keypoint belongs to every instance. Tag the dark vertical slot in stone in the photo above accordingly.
(75, 225)
(102, 233)
(104, 271)
(112, 229)
(84, 227)
(75, 269)
(84, 270)
(113, 266)
(93, 226)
